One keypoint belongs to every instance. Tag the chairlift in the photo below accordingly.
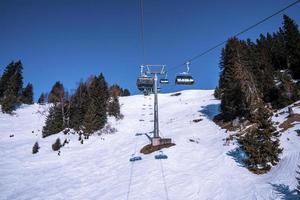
(160, 156)
(164, 80)
(184, 78)
(135, 158)
(145, 83)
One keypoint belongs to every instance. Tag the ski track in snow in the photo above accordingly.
(100, 168)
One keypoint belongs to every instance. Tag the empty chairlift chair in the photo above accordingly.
(135, 158)
(164, 80)
(160, 156)
(185, 78)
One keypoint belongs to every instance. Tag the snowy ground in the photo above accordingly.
(100, 168)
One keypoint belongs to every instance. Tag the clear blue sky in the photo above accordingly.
(69, 40)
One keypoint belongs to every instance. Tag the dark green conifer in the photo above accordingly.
(12, 78)
(79, 106)
(238, 91)
(292, 45)
(125, 93)
(57, 93)
(11, 85)
(279, 54)
(42, 99)
(260, 143)
(27, 94)
(114, 106)
(261, 65)
(115, 90)
(35, 148)
(9, 101)
(8, 72)
(54, 123)
(95, 117)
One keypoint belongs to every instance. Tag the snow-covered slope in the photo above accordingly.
(200, 166)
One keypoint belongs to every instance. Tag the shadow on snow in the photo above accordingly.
(284, 191)
(210, 111)
(238, 156)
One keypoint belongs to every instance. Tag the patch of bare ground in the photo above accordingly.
(289, 122)
(197, 120)
(175, 94)
(150, 149)
(228, 125)
(224, 124)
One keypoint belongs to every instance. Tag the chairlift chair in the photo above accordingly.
(160, 156)
(135, 158)
(164, 80)
(184, 78)
(145, 83)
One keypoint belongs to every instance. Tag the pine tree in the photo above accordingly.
(285, 92)
(125, 93)
(57, 93)
(27, 94)
(59, 97)
(292, 45)
(253, 74)
(92, 122)
(9, 101)
(115, 90)
(279, 54)
(35, 148)
(79, 106)
(222, 81)
(12, 77)
(262, 69)
(16, 80)
(54, 123)
(42, 99)
(95, 117)
(114, 107)
(238, 92)
(260, 143)
(11, 85)
(8, 72)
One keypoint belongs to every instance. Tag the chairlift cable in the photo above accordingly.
(237, 34)
(142, 28)
(131, 173)
(164, 179)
